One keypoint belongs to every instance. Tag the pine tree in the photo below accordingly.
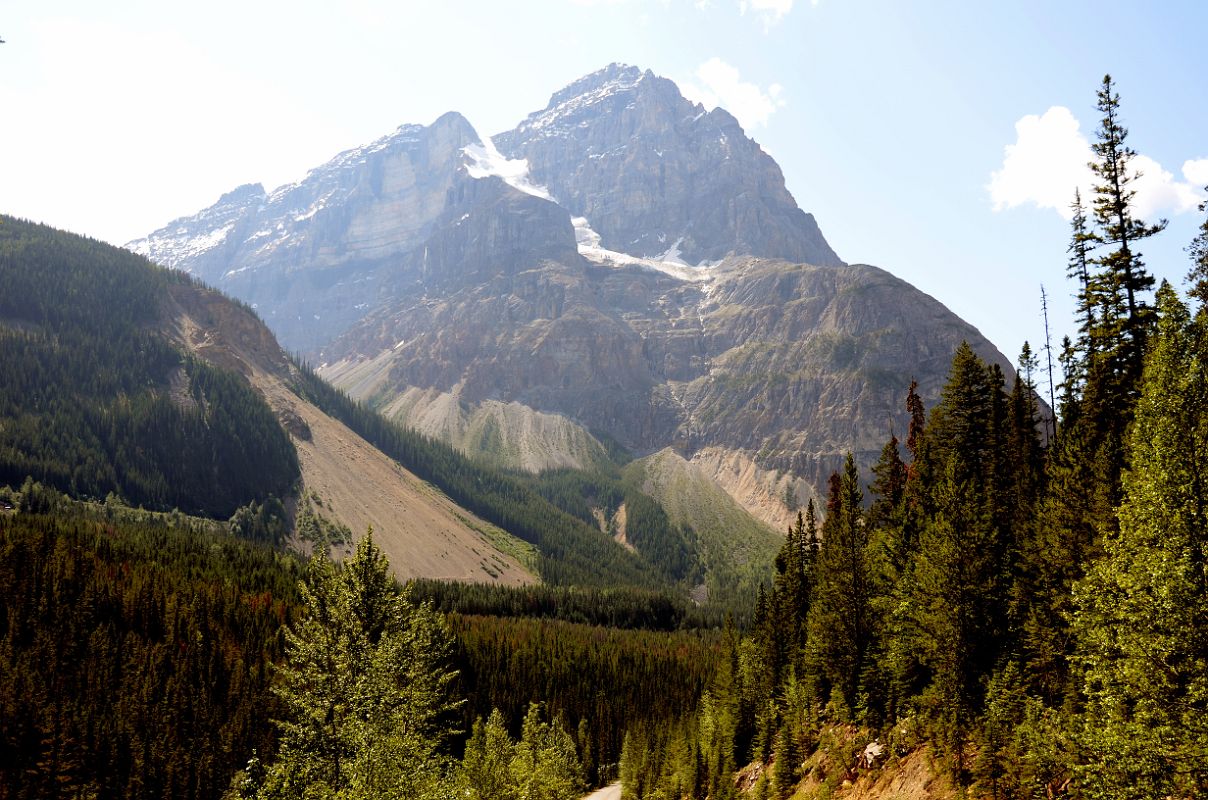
(1079, 269)
(365, 686)
(1123, 319)
(545, 765)
(840, 622)
(953, 620)
(486, 765)
(1198, 250)
(1142, 611)
(888, 486)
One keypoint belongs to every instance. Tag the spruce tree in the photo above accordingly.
(1121, 280)
(366, 688)
(953, 620)
(1142, 611)
(840, 620)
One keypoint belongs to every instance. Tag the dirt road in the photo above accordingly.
(610, 792)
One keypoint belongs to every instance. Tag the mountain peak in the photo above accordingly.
(582, 95)
(614, 77)
(646, 167)
(242, 194)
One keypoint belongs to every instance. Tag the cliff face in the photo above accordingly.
(652, 171)
(622, 258)
(312, 257)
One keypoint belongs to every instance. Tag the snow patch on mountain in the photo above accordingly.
(181, 245)
(669, 263)
(485, 160)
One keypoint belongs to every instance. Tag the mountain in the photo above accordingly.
(654, 172)
(162, 392)
(311, 257)
(622, 268)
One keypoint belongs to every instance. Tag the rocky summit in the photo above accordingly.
(624, 260)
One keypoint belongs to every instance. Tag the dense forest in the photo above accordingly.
(96, 400)
(1026, 602)
(135, 656)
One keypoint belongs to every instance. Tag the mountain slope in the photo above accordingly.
(312, 256)
(622, 262)
(97, 392)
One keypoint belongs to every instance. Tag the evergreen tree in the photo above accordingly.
(1142, 611)
(1079, 269)
(888, 486)
(545, 765)
(952, 620)
(365, 687)
(486, 766)
(1123, 318)
(840, 623)
(1198, 250)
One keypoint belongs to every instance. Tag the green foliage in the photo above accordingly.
(1141, 616)
(545, 765)
(607, 607)
(95, 401)
(671, 549)
(612, 679)
(134, 657)
(840, 624)
(1198, 250)
(365, 689)
(311, 526)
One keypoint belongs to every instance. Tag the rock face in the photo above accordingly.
(624, 259)
(652, 171)
(313, 257)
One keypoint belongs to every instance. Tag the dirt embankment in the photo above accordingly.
(422, 532)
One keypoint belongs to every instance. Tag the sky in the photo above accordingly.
(941, 141)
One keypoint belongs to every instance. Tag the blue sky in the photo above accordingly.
(890, 119)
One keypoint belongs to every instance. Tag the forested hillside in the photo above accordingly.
(572, 550)
(95, 400)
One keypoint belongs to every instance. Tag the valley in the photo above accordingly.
(573, 462)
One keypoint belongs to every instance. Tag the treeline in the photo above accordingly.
(621, 607)
(95, 400)
(1034, 612)
(134, 659)
(572, 551)
(599, 681)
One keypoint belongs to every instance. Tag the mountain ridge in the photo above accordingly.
(621, 258)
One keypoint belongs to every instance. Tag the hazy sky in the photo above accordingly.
(941, 141)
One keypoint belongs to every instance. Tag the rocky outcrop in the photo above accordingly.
(785, 366)
(653, 172)
(314, 256)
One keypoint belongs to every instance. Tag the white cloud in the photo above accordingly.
(1045, 165)
(1196, 171)
(1159, 193)
(719, 84)
(770, 11)
(1049, 160)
